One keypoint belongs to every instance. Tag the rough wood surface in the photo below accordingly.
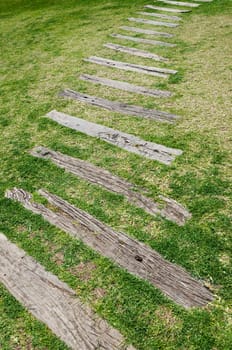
(146, 31)
(142, 41)
(53, 302)
(179, 3)
(119, 107)
(160, 15)
(120, 139)
(170, 209)
(127, 252)
(135, 52)
(154, 71)
(125, 86)
(154, 23)
(166, 9)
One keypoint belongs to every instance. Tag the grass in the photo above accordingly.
(42, 47)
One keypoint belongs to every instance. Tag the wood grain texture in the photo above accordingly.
(154, 23)
(146, 31)
(52, 302)
(125, 86)
(166, 9)
(160, 15)
(142, 41)
(128, 253)
(179, 3)
(170, 209)
(135, 52)
(120, 107)
(154, 71)
(131, 143)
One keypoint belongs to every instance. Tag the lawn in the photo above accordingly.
(43, 44)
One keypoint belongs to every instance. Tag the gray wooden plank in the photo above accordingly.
(170, 209)
(146, 31)
(125, 86)
(53, 302)
(179, 3)
(120, 107)
(128, 142)
(154, 71)
(154, 23)
(142, 41)
(135, 52)
(160, 15)
(127, 252)
(166, 9)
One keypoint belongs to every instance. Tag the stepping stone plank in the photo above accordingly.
(146, 31)
(123, 250)
(120, 139)
(155, 23)
(172, 210)
(154, 71)
(135, 52)
(166, 9)
(179, 3)
(53, 302)
(142, 41)
(159, 15)
(125, 86)
(120, 107)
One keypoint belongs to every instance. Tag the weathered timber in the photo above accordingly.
(125, 86)
(179, 3)
(142, 41)
(154, 71)
(160, 15)
(119, 107)
(166, 9)
(135, 52)
(127, 252)
(120, 139)
(170, 209)
(154, 23)
(53, 302)
(146, 31)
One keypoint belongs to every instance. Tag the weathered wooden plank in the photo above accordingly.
(119, 107)
(170, 209)
(135, 52)
(166, 9)
(179, 3)
(154, 71)
(146, 31)
(154, 23)
(127, 252)
(142, 41)
(120, 139)
(160, 15)
(53, 302)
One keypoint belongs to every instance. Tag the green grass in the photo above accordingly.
(42, 47)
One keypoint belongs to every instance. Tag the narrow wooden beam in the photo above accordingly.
(131, 143)
(166, 9)
(142, 41)
(119, 107)
(127, 252)
(154, 23)
(179, 3)
(159, 15)
(154, 71)
(146, 31)
(125, 86)
(170, 209)
(135, 52)
(53, 302)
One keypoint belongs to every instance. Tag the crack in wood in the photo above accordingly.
(160, 15)
(179, 3)
(146, 31)
(142, 41)
(166, 9)
(154, 23)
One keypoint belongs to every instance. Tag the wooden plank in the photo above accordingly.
(120, 139)
(166, 9)
(170, 209)
(53, 302)
(119, 107)
(160, 15)
(154, 71)
(154, 23)
(125, 86)
(179, 3)
(146, 31)
(127, 252)
(142, 41)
